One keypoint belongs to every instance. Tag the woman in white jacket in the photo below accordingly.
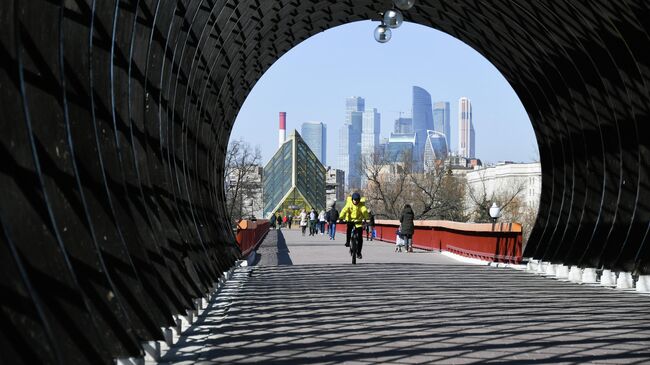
(303, 221)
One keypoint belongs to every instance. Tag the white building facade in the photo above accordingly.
(500, 178)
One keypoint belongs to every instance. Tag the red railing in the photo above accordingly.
(500, 242)
(250, 234)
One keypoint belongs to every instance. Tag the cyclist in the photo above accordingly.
(354, 213)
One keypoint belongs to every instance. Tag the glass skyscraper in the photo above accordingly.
(435, 148)
(441, 120)
(422, 121)
(466, 137)
(315, 135)
(370, 132)
(293, 179)
(403, 125)
(400, 146)
(350, 140)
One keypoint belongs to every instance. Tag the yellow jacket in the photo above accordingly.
(354, 213)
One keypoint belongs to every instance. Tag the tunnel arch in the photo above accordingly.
(117, 117)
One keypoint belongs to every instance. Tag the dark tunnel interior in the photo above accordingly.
(116, 116)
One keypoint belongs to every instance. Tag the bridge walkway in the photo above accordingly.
(303, 302)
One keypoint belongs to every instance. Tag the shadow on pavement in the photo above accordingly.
(407, 314)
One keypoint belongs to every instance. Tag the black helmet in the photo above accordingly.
(356, 196)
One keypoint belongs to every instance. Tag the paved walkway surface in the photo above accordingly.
(304, 303)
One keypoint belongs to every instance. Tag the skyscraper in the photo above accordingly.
(403, 125)
(441, 120)
(466, 145)
(350, 140)
(422, 121)
(315, 135)
(354, 104)
(400, 147)
(435, 150)
(370, 132)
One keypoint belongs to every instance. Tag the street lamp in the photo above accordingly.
(495, 212)
(391, 19)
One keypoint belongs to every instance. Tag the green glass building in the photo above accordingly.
(294, 179)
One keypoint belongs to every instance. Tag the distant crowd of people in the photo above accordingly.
(354, 211)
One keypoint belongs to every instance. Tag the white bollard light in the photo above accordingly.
(624, 281)
(562, 272)
(608, 278)
(643, 284)
(550, 269)
(531, 265)
(575, 274)
(589, 276)
(541, 267)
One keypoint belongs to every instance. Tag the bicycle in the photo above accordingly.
(354, 240)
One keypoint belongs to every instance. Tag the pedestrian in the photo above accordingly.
(407, 226)
(272, 221)
(284, 221)
(278, 219)
(321, 222)
(370, 226)
(303, 221)
(399, 240)
(332, 217)
(313, 217)
(290, 220)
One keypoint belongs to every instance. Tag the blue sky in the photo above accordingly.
(311, 82)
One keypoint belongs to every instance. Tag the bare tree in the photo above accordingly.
(504, 196)
(240, 188)
(387, 184)
(391, 183)
(438, 194)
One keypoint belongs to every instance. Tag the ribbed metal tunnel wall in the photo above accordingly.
(116, 117)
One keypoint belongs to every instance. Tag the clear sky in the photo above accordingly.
(311, 82)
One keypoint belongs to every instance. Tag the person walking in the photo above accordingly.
(272, 221)
(321, 222)
(303, 221)
(332, 217)
(370, 226)
(290, 220)
(313, 217)
(407, 226)
(284, 221)
(278, 220)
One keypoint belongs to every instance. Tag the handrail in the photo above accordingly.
(250, 234)
(500, 242)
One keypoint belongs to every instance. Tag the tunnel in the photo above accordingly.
(116, 116)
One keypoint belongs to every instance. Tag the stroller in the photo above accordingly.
(399, 241)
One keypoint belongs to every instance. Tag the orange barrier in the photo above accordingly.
(500, 242)
(250, 234)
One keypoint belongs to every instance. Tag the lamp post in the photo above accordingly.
(392, 19)
(495, 212)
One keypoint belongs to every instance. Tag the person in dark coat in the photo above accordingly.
(332, 217)
(272, 221)
(407, 226)
(370, 226)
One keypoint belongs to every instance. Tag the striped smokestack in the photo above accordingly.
(283, 128)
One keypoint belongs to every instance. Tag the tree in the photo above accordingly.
(391, 183)
(439, 194)
(386, 184)
(241, 187)
(481, 198)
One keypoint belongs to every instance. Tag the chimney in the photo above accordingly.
(283, 128)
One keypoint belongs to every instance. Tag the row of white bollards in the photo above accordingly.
(621, 280)
(154, 350)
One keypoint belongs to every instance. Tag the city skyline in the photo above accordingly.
(309, 95)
